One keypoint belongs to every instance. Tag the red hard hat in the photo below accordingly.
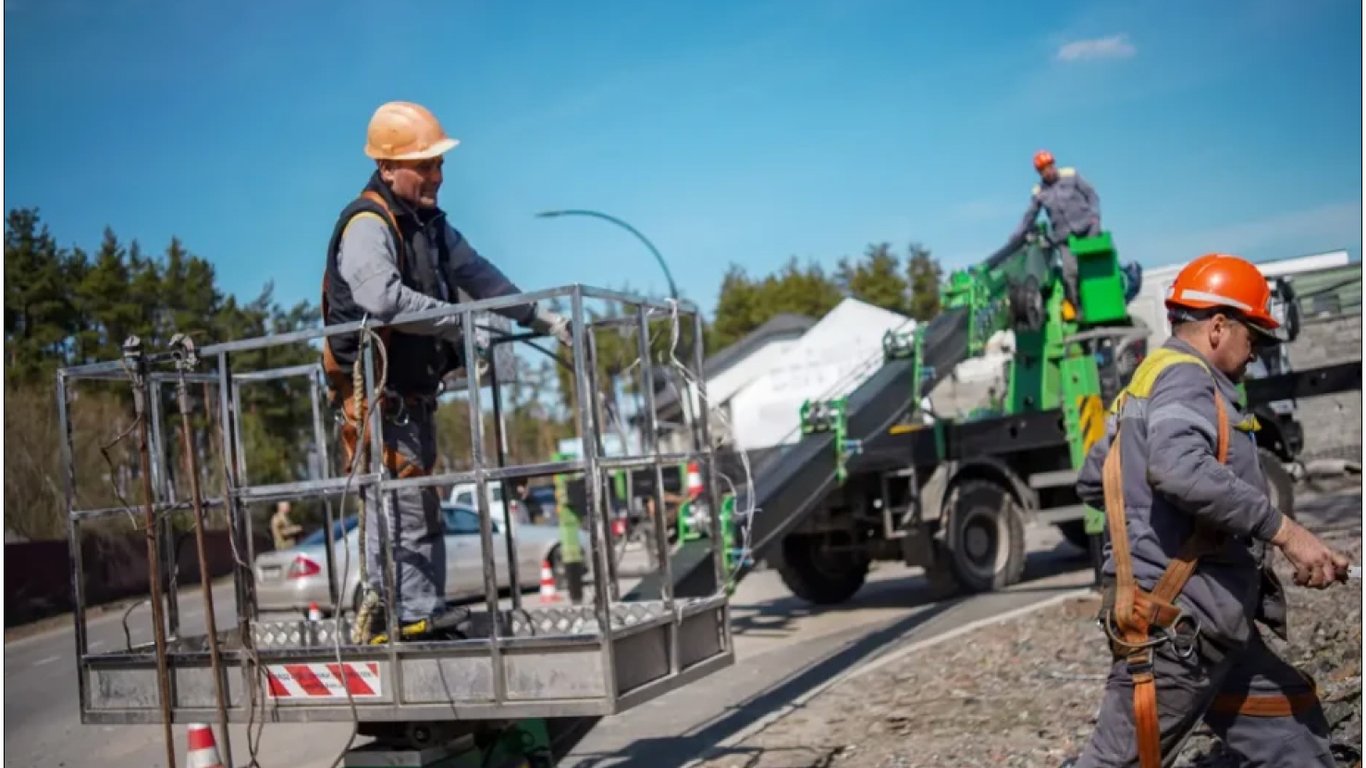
(1221, 281)
(1042, 159)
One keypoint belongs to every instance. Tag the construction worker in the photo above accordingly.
(282, 528)
(393, 251)
(1073, 208)
(1187, 566)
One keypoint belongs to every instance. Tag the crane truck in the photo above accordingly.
(870, 478)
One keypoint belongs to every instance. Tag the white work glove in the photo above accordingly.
(554, 324)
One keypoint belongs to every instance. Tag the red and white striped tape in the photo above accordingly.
(323, 681)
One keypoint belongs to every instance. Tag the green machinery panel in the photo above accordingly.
(1101, 284)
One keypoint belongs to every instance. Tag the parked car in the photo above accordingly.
(291, 579)
(464, 495)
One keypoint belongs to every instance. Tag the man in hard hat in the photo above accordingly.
(393, 252)
(1190, 537)
(1073, 208)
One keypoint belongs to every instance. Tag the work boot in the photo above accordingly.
(452, 624)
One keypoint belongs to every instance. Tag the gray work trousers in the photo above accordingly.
(1186, 688)
(1069, 264)
(418, 536)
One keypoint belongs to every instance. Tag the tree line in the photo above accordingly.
(909, 286)
(66, 306)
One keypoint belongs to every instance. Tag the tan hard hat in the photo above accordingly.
(402, 130)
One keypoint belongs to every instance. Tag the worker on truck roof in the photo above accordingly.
(1073, 208)
(1191, 535)
(393, 252)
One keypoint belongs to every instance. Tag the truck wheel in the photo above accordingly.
(1075, 533)
(819, 573)
(986, 537)
(1280, 486)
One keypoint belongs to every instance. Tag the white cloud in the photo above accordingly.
(1112, 47)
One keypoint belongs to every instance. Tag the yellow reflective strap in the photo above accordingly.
(1141, 385)
(361, 215)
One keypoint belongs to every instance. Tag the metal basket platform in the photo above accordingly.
(545, 661)
(556, 663)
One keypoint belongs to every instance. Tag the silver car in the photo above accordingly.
(291, 579)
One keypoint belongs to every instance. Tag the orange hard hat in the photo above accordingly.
(402, 130)
(1042, 159)
(1221, 281)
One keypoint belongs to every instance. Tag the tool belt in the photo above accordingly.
(1142, 620)
(355, 425)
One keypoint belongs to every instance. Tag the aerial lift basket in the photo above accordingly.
(528, 660)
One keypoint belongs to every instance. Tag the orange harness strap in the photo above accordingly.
(401, 466)
(1137, 611)
(331, 368)
(1268, 704)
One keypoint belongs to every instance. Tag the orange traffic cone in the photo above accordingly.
(314, 612)
(548, 593)
(203, 749)
(694, 480)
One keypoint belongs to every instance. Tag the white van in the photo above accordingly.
(464, 495)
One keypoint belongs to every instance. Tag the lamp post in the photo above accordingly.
(673, 289)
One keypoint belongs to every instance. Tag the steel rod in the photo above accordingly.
(320, 450)
(73, 538)
(243, 478)
(163, 479)
(160, 507)
(133, 352)
(183, 363)
(485, 523)
(241, 570)
(388, 530)
(685, 309)
(277, 373)
(661, 523)
(719, 544)
(605, 500)
(500, 447)
(588, 427)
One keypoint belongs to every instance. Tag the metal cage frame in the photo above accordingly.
(597, 659)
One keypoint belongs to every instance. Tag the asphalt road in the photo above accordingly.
(783, 646)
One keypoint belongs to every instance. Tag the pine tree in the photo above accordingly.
(876, 279)
(925, 274)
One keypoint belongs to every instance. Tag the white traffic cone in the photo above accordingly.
(548, 593)
(314, 612)
(203, 748)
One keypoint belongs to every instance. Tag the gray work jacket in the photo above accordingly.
(1172, 478)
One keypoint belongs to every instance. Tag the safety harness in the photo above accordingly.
(1141, 620)
(342, 385)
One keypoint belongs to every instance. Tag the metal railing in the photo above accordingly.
(237, 647)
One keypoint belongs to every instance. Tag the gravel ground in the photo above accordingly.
(1023, 693)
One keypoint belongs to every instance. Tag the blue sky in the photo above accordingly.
(727, 132)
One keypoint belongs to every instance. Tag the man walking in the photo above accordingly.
(1189, 523)
(1073, 208)
(393, 252)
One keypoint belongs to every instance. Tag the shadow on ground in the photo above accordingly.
(778, 615)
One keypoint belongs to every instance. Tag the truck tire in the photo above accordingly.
(986, 537)
(1280, 486)
(819, 574)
